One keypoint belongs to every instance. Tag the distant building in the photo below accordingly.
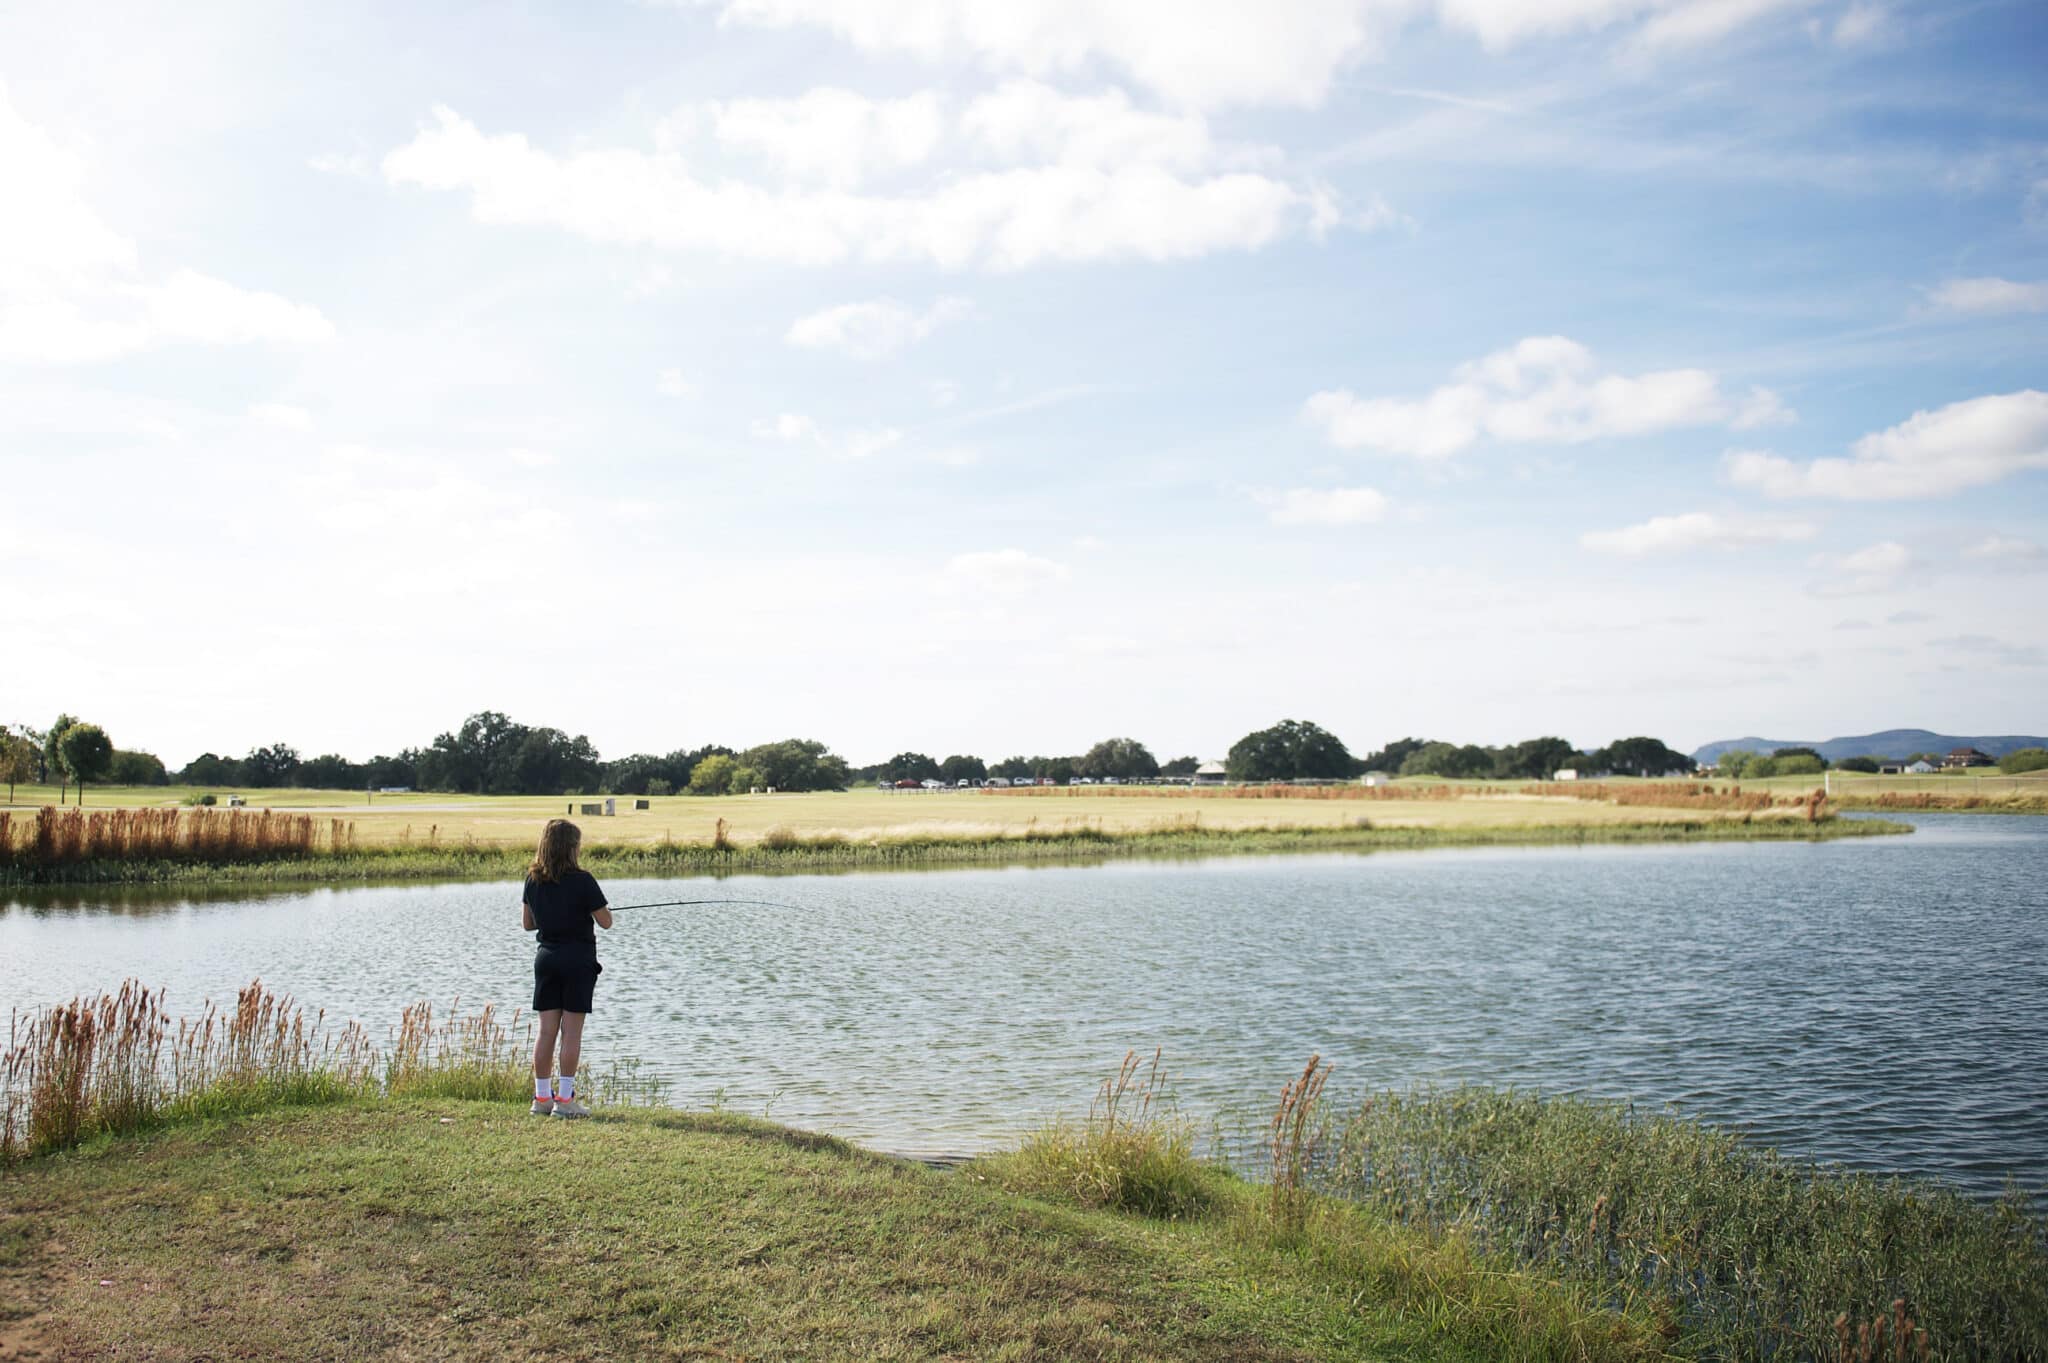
(1966, 757)
(1374, 778)
(1922, 768)
(1566, 774)
(1891, 768)
(1210, 774)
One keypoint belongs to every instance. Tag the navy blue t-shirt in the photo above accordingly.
(562, 908)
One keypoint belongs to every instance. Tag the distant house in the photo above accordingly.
(1966, 757)
(1891, 768)
(1210, 774)
(1566, 774)
(1922, 768)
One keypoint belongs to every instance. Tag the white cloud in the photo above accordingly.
(1325, 506)
(1862, 24)
(1216, 53)
(281, 415)
(1191, 52)
(1996, 650)
(530, 459)
(876, 329)
(1000, 572)
(1695, 530)
(789, 428)
(1545, 389)
(2006, 549)
(673, 383)
(1876, 568)
(1002, 219)
(831, 136)
(72, 290)
(1989, 294)
(1963, 445)
(1025, 122)
(792, 428)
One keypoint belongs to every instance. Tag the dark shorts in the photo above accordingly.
(563, 981)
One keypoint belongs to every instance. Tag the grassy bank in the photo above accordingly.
(251, 1185)
(447, 1229)
(781, 849)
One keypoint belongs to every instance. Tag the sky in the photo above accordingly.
(998, 376)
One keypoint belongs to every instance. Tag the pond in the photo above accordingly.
(1881, 1002)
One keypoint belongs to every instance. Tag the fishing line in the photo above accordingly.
(693, 903)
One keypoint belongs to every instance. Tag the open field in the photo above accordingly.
(300, 836)
(511, 821)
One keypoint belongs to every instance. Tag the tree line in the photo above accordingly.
(490, 753)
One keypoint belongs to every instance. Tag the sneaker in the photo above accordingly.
(570, 1107)
(542, 1107)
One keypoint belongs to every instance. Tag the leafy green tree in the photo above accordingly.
(1180, 766)
(1126, 759)
(1734, 763)
(1866, 765)
(713, 775)
(53, 761)
(211, 769)
(1012, 768)
(18, 760)
(1641, 757)
(138, 769)
(330, 771)
(276, 765)
(1450, 760)
(1291, 750)
(1760, 769)
(1798, 752)
(1535, 759)
(2022, 760)
(797, 764)
(1390, 758)
(910, 766)
(960, 767)
(1799, 764)
(87, 753)
(746, 779)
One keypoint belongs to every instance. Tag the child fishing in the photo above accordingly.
(561, 901)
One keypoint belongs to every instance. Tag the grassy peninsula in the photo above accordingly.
(295, 838)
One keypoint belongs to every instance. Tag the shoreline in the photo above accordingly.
(798, 853)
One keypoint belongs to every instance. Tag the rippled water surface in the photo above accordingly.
(1882, 1002)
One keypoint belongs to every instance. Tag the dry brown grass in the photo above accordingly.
(63, 837)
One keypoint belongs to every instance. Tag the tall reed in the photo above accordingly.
(1758, 1254)
(69, 836)
(1295, 1137)
(113, 1063)
(1131, 1152)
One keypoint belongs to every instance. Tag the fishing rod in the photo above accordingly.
(694, 903)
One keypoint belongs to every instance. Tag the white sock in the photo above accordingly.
(541, 1091)
(565, 1088)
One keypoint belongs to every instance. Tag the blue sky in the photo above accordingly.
(996, 377)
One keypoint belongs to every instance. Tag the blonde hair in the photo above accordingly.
(556, 855)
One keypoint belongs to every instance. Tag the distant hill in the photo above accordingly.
(1890, 743)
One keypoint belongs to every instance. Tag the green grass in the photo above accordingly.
(793, 851)
(1755, 1254)
(443, 1229)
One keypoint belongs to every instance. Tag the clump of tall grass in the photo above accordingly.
(70, 836)
(114, 1063)
(1132, 1152)
(1757, 1255)
(1295, 1138)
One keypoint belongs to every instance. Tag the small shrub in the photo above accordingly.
(205, 801)
(1130, 1152)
